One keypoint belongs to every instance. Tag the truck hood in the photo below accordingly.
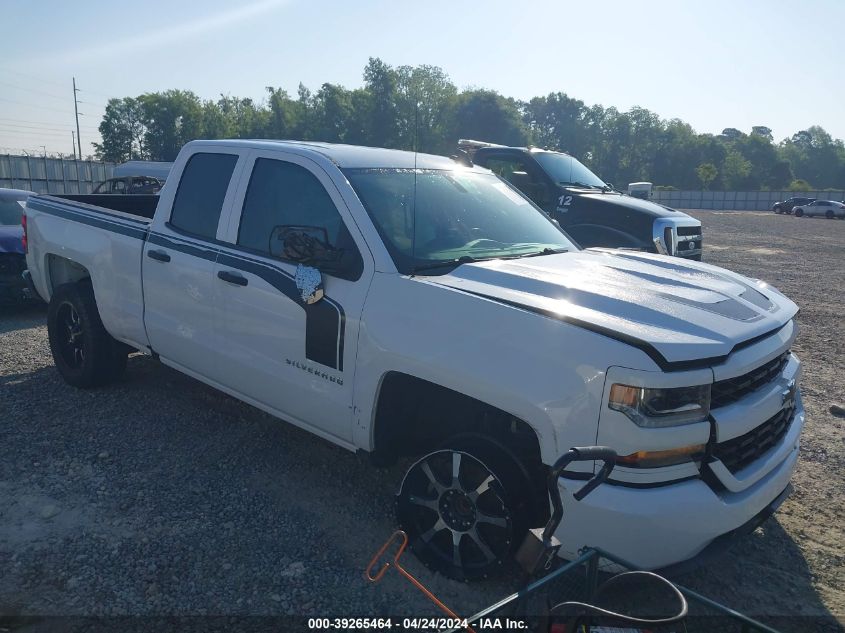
(682, 314)
(639, 205)
(11, 239)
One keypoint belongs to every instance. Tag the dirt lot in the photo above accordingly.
(160, 496)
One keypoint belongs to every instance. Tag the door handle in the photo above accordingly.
(159, 256)
(232, 277)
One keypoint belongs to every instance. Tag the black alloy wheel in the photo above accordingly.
(71, 338)
(462, 514)
(83, 351)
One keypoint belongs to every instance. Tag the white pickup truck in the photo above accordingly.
(407, 305)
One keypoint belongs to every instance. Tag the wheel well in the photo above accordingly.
(64, 271)
(414, 416)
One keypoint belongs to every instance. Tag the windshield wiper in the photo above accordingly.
(584, 185)
(463, 259)
(545, 251)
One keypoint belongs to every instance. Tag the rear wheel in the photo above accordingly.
(464, 508)
(829, 214)
(84, 353)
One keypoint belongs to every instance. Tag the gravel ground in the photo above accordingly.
(159, 496)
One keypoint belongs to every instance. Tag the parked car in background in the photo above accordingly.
(154, 168)
(586, 207)
(130, 185)
(13, 288)
(828, 208)
(789, 204)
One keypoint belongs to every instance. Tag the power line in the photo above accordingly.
(52, 81)
(40, 127)
(40, 92)
(12, 129)
(34, 105)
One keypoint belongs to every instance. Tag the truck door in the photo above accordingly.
(292, 359)
(178, 266)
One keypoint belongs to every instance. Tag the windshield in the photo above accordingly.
(566, 170)
(451, 215)
(10, 212)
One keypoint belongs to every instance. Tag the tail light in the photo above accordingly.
(24, 239)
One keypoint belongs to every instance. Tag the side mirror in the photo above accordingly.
(302, 244)
(309, 247)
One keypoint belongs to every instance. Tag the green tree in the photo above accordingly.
(424, 98)
(122, 130)
(486, 115)
(382, 125)
(172, 118)
(557, 121)
(706, 173)
(799, 185)
(735, 170)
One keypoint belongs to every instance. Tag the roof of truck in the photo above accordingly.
(349, 156)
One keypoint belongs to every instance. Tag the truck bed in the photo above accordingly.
(137, 205)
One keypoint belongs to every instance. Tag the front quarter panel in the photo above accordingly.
(545, 372)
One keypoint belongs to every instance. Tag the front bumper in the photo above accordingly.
(657, 527)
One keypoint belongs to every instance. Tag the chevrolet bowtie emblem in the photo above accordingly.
(788, 394)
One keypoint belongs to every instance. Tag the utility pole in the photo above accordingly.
(76, 111)
(73, 139)
(44, 149)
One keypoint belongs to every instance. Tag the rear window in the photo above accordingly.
(199, 199)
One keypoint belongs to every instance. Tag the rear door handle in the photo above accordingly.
(232, 277)
(159, 256)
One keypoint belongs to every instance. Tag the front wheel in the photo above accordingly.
(463, 510)
(829, 214)
(799, 213)
(84, 353)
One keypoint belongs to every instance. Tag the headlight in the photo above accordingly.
(658, 408)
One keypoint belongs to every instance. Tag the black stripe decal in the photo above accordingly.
(644, 346)
(189, 248)
(325, 321)
(89, 208)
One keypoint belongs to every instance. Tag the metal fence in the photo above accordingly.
(736, 200)
(52, 175)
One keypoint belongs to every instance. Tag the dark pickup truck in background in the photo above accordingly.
(790, 203)
(587, 208)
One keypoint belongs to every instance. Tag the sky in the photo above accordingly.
(714, 64)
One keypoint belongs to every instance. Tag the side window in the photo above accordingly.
(282, 193)
(520, 175)
(202, 188)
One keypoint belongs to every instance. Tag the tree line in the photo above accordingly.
(418, 107)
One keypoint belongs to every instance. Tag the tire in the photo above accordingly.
(799, 213)
(442, 514)
(84, 353)
(829, 214)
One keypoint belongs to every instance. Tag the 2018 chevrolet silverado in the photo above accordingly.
(406, 304)
(587, 208)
